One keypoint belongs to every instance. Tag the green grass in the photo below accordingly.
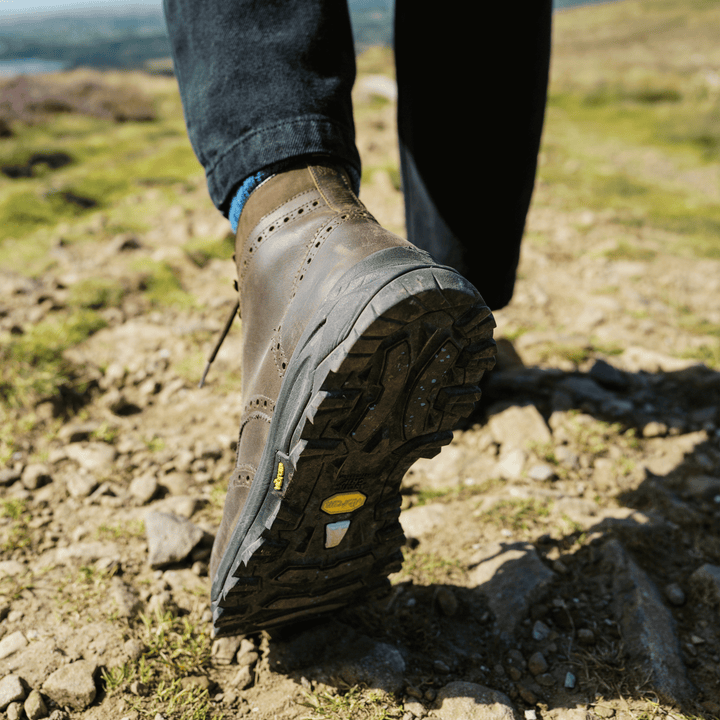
(517, 515)
(202, 251)
(355, 702)
(161, 285)
(96, 293)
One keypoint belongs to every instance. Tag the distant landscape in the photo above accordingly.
(132, 38)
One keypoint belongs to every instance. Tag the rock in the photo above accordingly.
(651, 361)
(11, 568)
(674, 593)
(446, 600)
(647, 626)
(415, 708)
(586, 636)
(59, 715)
(182, 506)
(512, 576)
(654, 429)
(133, 649)
(8, 476)
(35, 708)
(143, 487)
(703, 487)
(545, 679)
(441, 667)
(469, 701)
(244, 678)
(170, 538)
(12, 690)
(87, 552)
(705, 581)
(510, 465)
(186, 581)
(418, 522)
(224, 649)
(537, 663)
(337, 650)
(81, 484)
(177, 483)
(72, 685)
(519, 426)
(95, 457)
(127, 603)
(540, 631)
(201, 682)
(606, 374)
(36, 662)
(570, 681)
(14, 711)
(36, 475)
(247, 654)
(12, 643)
(540, 472)
(584, 388)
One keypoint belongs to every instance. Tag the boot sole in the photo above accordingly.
(323, 531)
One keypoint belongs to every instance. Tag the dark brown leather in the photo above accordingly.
(299, 232)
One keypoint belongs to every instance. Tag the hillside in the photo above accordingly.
(563, 553)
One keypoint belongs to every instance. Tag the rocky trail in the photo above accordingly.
(563, 552)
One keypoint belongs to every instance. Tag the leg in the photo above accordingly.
(360, 352)
(468, 175)
(263, 81)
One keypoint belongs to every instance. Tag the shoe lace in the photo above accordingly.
(223, 335)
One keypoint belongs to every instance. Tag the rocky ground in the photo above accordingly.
(562, 556)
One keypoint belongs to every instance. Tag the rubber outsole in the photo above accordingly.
(323, 531)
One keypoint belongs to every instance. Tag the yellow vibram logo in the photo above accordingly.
(278, 481)
(343, 503)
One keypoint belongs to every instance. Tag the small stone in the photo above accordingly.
(177, 483)
(224, 649)
(570, 681)
(139, 688)
(133, 649)
(36, 475)
(430, 694)
(35, 708)
(540, 472)
(604, 711)
(446, 600)
(545, 679)
(537, 663)
(705, 581)
(170, 538)
(244, 678)
(72, 685)
(96, 457)
(81, 484)
(540, 631)
(14, 711)
(415, 708)
(674, 593)
(530, 714)
(12, 643)
(586, 636)
(459, 700)
(511, 464)
(527, 694)
(143, 487)
(441, 667)
(654, 429)
(11, 690)
(11, 568)
(59, 715)
(127, 603)
(412, 691)
(201, 682)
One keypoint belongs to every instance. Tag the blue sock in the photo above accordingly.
(243, 193)
(252, 182)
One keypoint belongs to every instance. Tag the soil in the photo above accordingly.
(613, 452)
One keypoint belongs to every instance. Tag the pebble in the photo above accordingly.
(586, 636)
(14, 711)
(12, 690)
(81, 484)
(143, 487)
(570, 681)
(96, 457)
(72, 685)
(654, 429)
(441, 667)
(35, 708)
(127, 603)
(464, 700)
(537, 663)
(244, 678)
(674, 593)
(511, 464)
(519, 426)
(446, 600)
(512, 576)
(705, 581)
(540, 472)
(540, 631)
(224, 649)
(545, 679)
(36, 475)
(170, 538)
(12, 643)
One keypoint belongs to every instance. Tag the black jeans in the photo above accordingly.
(263, 81)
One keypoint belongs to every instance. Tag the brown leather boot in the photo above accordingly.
(360, 353)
